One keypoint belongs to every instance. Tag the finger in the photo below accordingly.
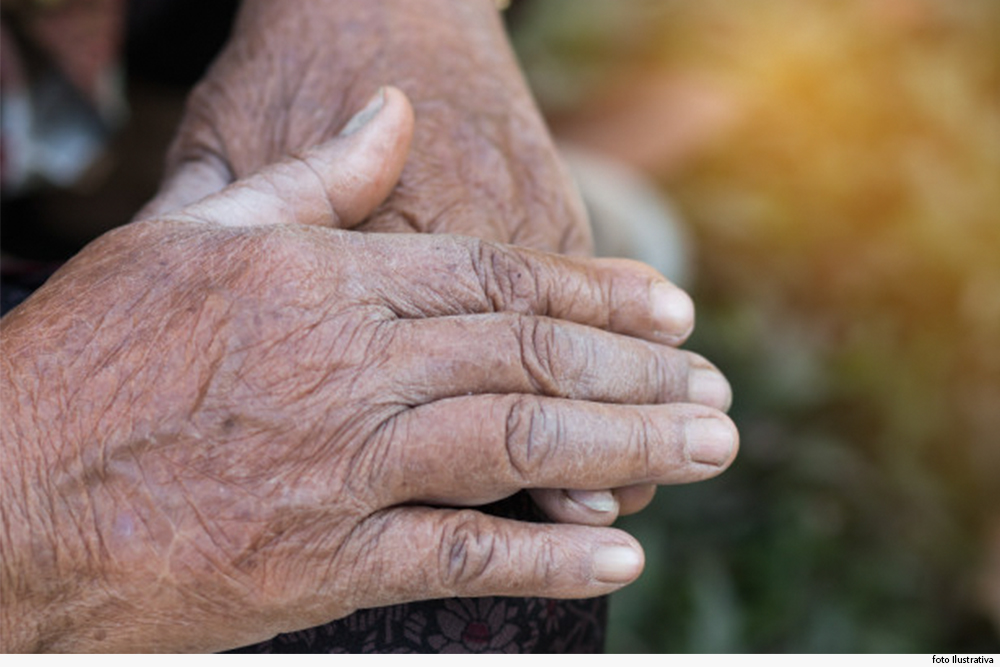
(593, 508)
(447, 276)
(190, 182)
(635, 498)
(509, 353)
(507, 443)
(436, 553)
(335, 184)
(577, 506)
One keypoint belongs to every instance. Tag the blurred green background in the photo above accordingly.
(837, 163)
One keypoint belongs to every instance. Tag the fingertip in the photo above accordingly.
(399, 105)
(367, 113)
(707, 385)
(618, 563)
(365, 161)
(634, 299)
(582, 508)
(635, 498)
(388, 114)
(712, 440)
(601, 502)
(672, 311)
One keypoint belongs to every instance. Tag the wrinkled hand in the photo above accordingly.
(292, 73)
(234, 421)
(482, 162)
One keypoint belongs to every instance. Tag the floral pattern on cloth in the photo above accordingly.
(465, 625)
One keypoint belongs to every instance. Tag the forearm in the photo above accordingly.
(444, 54)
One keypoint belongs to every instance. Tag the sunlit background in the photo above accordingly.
(837, 165)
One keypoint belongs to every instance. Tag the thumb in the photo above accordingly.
(189, 182)
(337, 183)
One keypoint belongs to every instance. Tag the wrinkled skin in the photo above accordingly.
(482, 162)
(235, 420)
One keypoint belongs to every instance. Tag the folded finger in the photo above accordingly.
(593, 508)
(634, 498)
(581, 507)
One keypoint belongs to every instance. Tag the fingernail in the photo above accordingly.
(617, 565)
(598, 501)
(710, 441)
(361, 118)
(673, 310)
(709, 387)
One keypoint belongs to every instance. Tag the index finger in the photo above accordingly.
(457, 275)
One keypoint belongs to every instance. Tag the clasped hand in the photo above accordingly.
(249, 422)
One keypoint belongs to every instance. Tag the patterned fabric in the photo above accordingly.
(468, 625)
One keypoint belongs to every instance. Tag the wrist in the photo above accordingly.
(441, 53)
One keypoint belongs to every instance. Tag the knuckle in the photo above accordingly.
(508, 280)
(530, 430)
(645, 442)
(669, 374)
(547, 564)
(467, 551)
(308, 170)
(545, 355)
